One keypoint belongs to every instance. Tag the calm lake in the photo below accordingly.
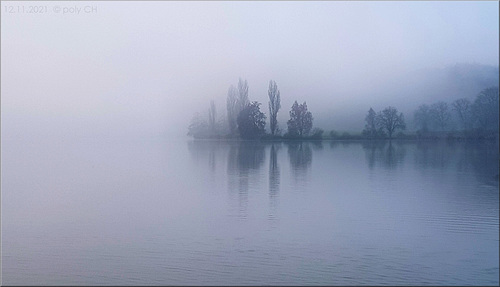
(160, 212)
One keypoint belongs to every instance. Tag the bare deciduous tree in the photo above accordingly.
(463, 108)
(440, 115)
(371, 129)
(485, 109)
(389, 120)
(422, 118)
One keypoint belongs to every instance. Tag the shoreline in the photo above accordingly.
(355, 138)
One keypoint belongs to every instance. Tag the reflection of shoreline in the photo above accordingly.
(274, 178)
(201, 149)
(300, 156)
(482, 158)
(274, 171)
(389, 154)
(245, 159)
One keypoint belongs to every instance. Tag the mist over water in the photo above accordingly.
(162, 212)
(101, 74)
(101, 185)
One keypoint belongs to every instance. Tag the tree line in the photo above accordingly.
(461, 118)
(245, 120)
(477, 118)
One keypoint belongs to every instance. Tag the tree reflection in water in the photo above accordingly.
(274, 178)
(300, 155)
(388, 153)
(205, 152)
(274, 173)
(480, 157)
(394, 155)
(244, 161)
(373, 149)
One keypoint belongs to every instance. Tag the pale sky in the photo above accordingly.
(135, 68)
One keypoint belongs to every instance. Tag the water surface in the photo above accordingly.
(160, 212)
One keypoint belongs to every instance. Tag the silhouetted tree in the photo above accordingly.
(274, 106)
(232, 109)
(389, 120)
(463, 108)
(242, 94)
(485, 109)
(221, 127)
(198, 128)
(300, 122)
(334, 134)
(371, 129)
(422, 118)
(211, 117)
(440, 115)
(317, 133)
(251, 121)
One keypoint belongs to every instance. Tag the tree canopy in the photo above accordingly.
(485, 108)
(422, 118)
(243, 100)
(390, 120)
(300, 122)
(463, 108)
(440, 115)
(232, 109)
(251, 121)
(274, 106)
(476, 118)
(371, 130)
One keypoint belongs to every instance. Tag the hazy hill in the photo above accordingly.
(408, 91)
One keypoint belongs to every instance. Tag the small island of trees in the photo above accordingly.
(245, 120)
(462, 119)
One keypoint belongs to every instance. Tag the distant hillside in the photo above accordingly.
(446, 84)
(407, 91)
(466, 80)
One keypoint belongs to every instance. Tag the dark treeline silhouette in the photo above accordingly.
(274, 107)
(245, 120)
(385, 122)
(389, 154)
(479, 158)
(460, 119)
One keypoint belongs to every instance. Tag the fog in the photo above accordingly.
(143, 69)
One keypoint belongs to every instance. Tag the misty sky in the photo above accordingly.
(134, 68)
